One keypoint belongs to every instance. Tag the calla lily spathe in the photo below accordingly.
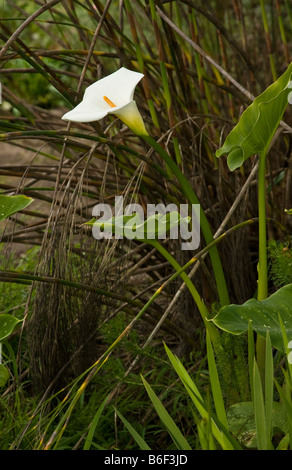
(111, 95)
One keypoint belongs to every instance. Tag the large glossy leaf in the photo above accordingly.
(7, 325)
(135, 227)
(11, 204)
(258, 123)
(263, 316)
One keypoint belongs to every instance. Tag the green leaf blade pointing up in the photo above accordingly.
(258, 123)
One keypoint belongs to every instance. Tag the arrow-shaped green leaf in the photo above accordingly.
(7, 325)
(258, 123)
(263, 315)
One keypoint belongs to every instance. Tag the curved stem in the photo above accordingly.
(192, 198)
(262, 265)
(102, 359)
(213, 332)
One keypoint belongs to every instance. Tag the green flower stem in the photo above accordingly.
(192, 198)
(213, 332)
(262, 265)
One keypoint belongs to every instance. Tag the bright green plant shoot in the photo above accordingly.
(253, 135)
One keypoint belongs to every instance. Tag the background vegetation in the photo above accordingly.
(203, 62)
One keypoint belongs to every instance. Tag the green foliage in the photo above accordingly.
(241, 421)
(11, 204)
(176, 435)
(4, 375)
(13, 300)
(256, 424)
(133, 227)
(140, 441)
(218, 432)
(14, 295)
(7, 325)
(263, 315)
(231, 362)
(258, 123)
(280, 255)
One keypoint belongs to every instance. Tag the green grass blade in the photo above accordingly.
(176, 435)
(140, 441)
(251, 355)
(93, 425)
(269, 388)
(215, 384)
(288, 408)
(214, 422)
(216, 389)
(198, 400)
(259, 410)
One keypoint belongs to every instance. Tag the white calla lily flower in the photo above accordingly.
(111, 95)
